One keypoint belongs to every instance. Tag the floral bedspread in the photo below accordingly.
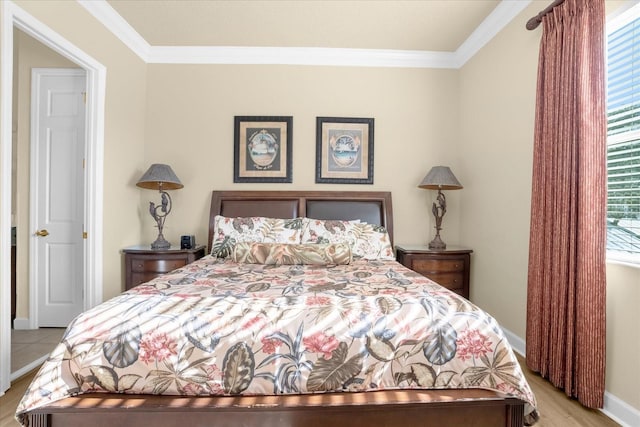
(215, 327)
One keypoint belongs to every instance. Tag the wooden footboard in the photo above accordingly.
(478, 408)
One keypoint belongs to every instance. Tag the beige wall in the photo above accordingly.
(190, 116)
(497, 99)
(623, 333)
(124, 124)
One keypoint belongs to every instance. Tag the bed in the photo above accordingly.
(324, 343)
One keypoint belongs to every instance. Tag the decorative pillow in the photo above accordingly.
(371, 242)
(229, 231)
(278, 253)
(328, 231)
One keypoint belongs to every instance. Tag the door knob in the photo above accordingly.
(42, 233)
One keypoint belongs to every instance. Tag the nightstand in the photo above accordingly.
(448, 267)
(141, 263)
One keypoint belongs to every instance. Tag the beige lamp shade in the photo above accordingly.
(440, 178)
(159, 177)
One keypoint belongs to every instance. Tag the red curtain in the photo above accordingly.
(567, 247)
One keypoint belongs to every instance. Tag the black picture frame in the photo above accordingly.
(262, 149)
(344, 150)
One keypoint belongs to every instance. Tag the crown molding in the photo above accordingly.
(241, 55)
(502, 15)
(300, 56)
(107, 15)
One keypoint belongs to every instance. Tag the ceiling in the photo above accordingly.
(423, 25)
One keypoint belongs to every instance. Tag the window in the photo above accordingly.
(623, 137)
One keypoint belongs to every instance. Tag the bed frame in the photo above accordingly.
(373, 207)
(470, 407)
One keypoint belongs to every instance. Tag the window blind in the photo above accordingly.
(623, 130)
(623, 75)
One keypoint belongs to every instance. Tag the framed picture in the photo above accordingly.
(344, 150)
(262, 149)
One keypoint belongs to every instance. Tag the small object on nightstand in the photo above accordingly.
(142, 264)
(448, 267)
(187, 242)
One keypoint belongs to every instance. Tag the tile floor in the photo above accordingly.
(32, 344)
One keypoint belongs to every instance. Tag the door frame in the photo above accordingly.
(34, 197)
(12, 16)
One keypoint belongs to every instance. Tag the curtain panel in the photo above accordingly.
(565, 338)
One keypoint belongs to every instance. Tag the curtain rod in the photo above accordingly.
(533, 23)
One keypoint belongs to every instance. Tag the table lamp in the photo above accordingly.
(160, 177)
(439, 178)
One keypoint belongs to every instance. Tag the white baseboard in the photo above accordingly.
(614, 408)
(517, 343)
(620, 411)
(21, 323)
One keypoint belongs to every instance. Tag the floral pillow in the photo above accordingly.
(328, 231)
(279, 253)
(229, 231)
(371, 242)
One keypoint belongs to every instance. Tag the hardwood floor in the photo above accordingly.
(9, 402)
(27, 346)
(556, 409)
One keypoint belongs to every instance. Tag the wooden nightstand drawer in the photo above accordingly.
(449, 267)
(138, 278)
(143, 264)
(422, 265)
(448, 280)
(156, 265)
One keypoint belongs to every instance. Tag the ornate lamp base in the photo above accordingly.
(438, 209)
(159, 213)
(437, 243)
(160, 243)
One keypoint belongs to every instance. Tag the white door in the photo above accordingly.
(57, 194)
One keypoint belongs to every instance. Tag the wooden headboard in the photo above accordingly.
(373, 207)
